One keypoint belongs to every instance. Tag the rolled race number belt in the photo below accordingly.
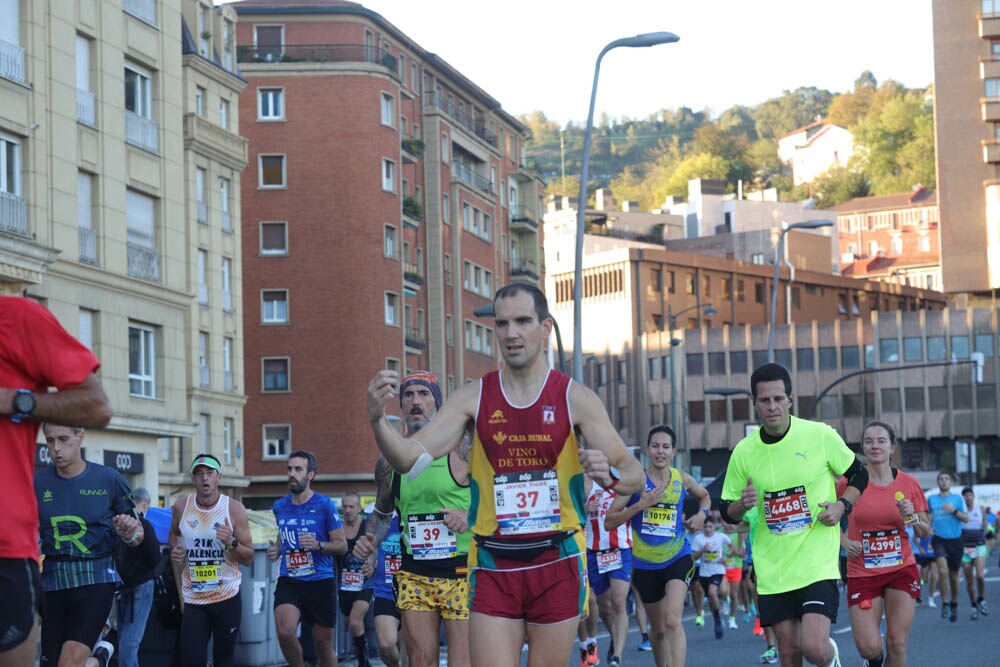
(522, 549)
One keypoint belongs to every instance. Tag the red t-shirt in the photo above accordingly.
(35, 353)
(877, 524)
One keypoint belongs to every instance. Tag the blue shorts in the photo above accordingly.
(600, 582)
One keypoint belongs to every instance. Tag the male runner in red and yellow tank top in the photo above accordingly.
(528, 489)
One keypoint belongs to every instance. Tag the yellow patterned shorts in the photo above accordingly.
(449, 597)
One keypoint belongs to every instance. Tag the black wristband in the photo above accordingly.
(848, 505)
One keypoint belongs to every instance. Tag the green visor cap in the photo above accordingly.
(208, 462)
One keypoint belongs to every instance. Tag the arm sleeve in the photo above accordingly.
(857, 475)
(724, 510)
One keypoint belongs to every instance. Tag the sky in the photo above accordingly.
(539, 55)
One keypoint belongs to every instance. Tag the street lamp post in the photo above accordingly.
(645, 39)
(779, 257)
(710, 310)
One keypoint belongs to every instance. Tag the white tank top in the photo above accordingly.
(211, 574)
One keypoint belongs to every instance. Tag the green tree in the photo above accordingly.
(794, 109)
(838, 185)
(882, 144)
(699, 165)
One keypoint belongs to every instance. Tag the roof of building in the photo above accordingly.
(889, 264)
(919, 196)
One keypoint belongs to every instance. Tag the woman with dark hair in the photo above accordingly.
(881, 568)
(662, 564)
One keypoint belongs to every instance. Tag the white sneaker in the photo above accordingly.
(836, 654)
(102, 652)
(732, 623)
(931, 603)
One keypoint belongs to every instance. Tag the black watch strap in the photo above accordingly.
(848, 505)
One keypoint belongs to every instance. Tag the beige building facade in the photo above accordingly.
(99, 215)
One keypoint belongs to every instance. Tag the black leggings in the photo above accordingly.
(221, 622)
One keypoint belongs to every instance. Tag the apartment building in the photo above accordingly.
(387, 199)
(98, 214)
(893, 238)
(967, 138)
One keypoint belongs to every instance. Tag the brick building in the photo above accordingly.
(893, 238)
(386, 199)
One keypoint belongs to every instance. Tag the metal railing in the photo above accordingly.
(141, 131)
(141, 9)
(434, 98)
(143, 262)
(11, 61)
(13, 214)
(85, 108)
(415, 338)
(316, 53)
(88, 245)
(464, 172)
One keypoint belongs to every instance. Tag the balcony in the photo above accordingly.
(141, 132)
(11, 62)
(412, 150)
(434, 99)
(413, 212)
(415, 339)
(212, 140)
(413, 277)
(203, 213)
(991, 151)
(989, 25)
(144, 10)
(526, 270)
(316, 53)
(13, 214)
(143, 262)
(85, 108)
(468, 175)
(523, 218)
(88, 246)
(991, 109)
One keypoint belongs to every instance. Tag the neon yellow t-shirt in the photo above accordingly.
(791, 549)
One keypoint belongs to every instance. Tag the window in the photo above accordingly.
(10, 166)
(138, 90)
(271, 170)
(925, 244)
(270, 104)
(204, 34)
(85, 107)
(274, 238)
(913, 349)
(888, 350)
(228, 426)
(227, 364)
(87, 319)
(141, 361)
(224, 114)
(204, 439)
(277, 441)
(891, 399)
(392, 309)
(227, 223)
(758, 292)
(689, 283)
(695, 364)
(227, 284)
(200, 176)
(478, 338)
(935, 348)
(85, 216)
(274, 306)
(388, 110)
(828, 358)
(143, 258)
(805, 359)
(897, 246)
(389, 241)
(757, 258)
(201, 268)
(984, 343)
(445, 209)
(992, 87)
(276, 374)
(447, 269)
(203, 365)
(270, 42)
(738, 362)
(850, 358)
(449, 330)
(716, 363)
(960, 347)
(199, 101)
(388, 175)
(445, 145)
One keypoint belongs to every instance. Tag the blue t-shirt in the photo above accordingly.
(75, 525)
(317, 517)
(946, 525)
(388, 560)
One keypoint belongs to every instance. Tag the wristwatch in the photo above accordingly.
(235, 545)
(24, 405)
(848, 505)
(615, 478)
(707, 512)
(322, 545)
